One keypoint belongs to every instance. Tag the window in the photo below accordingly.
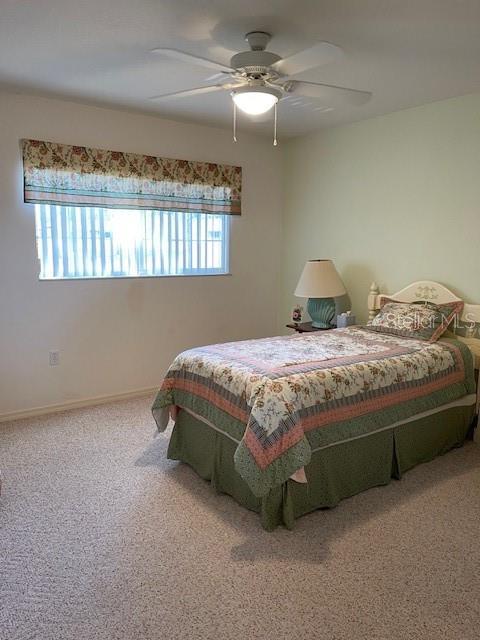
(91, 242)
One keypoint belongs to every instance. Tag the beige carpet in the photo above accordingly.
(102, 537)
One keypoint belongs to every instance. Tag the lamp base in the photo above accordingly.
(321, 311)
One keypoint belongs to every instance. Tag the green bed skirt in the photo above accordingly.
(334, 473)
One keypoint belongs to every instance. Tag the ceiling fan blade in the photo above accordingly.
(299, 102)
(189, 92)
(221, 75)
(329, 94)
(197, 91)
(191, 59)
(321, 53)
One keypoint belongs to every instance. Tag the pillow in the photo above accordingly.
(420, 320)
(472, 343)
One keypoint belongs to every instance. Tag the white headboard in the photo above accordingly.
(423, 290)
(426, 290)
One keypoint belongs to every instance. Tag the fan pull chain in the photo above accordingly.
(275, 126)
(234, 121)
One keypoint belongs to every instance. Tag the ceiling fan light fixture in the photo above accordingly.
(255, 100)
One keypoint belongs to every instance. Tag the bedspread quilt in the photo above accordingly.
(281, 397)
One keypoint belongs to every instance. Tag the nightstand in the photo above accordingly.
(305, 327)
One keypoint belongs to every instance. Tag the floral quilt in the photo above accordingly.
(280, 397)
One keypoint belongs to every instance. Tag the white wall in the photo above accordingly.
(393, 199)
(120, 335)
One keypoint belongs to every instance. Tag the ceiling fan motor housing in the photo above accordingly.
(255, 62)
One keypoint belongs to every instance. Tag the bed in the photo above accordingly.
(290, 424)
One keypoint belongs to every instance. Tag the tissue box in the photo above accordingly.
(345, 320)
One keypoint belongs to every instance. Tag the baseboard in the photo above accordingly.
(74, 404)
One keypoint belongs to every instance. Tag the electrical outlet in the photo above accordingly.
(54, 358)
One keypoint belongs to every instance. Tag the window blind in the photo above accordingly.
(94, 242)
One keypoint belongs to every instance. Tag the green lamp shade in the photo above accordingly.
(320, 283)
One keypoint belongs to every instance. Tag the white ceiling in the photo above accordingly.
(407, 52)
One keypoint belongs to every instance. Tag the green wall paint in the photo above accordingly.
(392, 199)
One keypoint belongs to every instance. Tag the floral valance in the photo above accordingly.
(80, 176)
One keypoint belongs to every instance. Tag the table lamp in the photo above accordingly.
(320, 283)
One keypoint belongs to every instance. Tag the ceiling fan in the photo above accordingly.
(258, 79)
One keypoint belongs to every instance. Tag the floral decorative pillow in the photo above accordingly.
(420, 320)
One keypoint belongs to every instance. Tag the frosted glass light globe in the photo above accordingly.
(254, 102)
